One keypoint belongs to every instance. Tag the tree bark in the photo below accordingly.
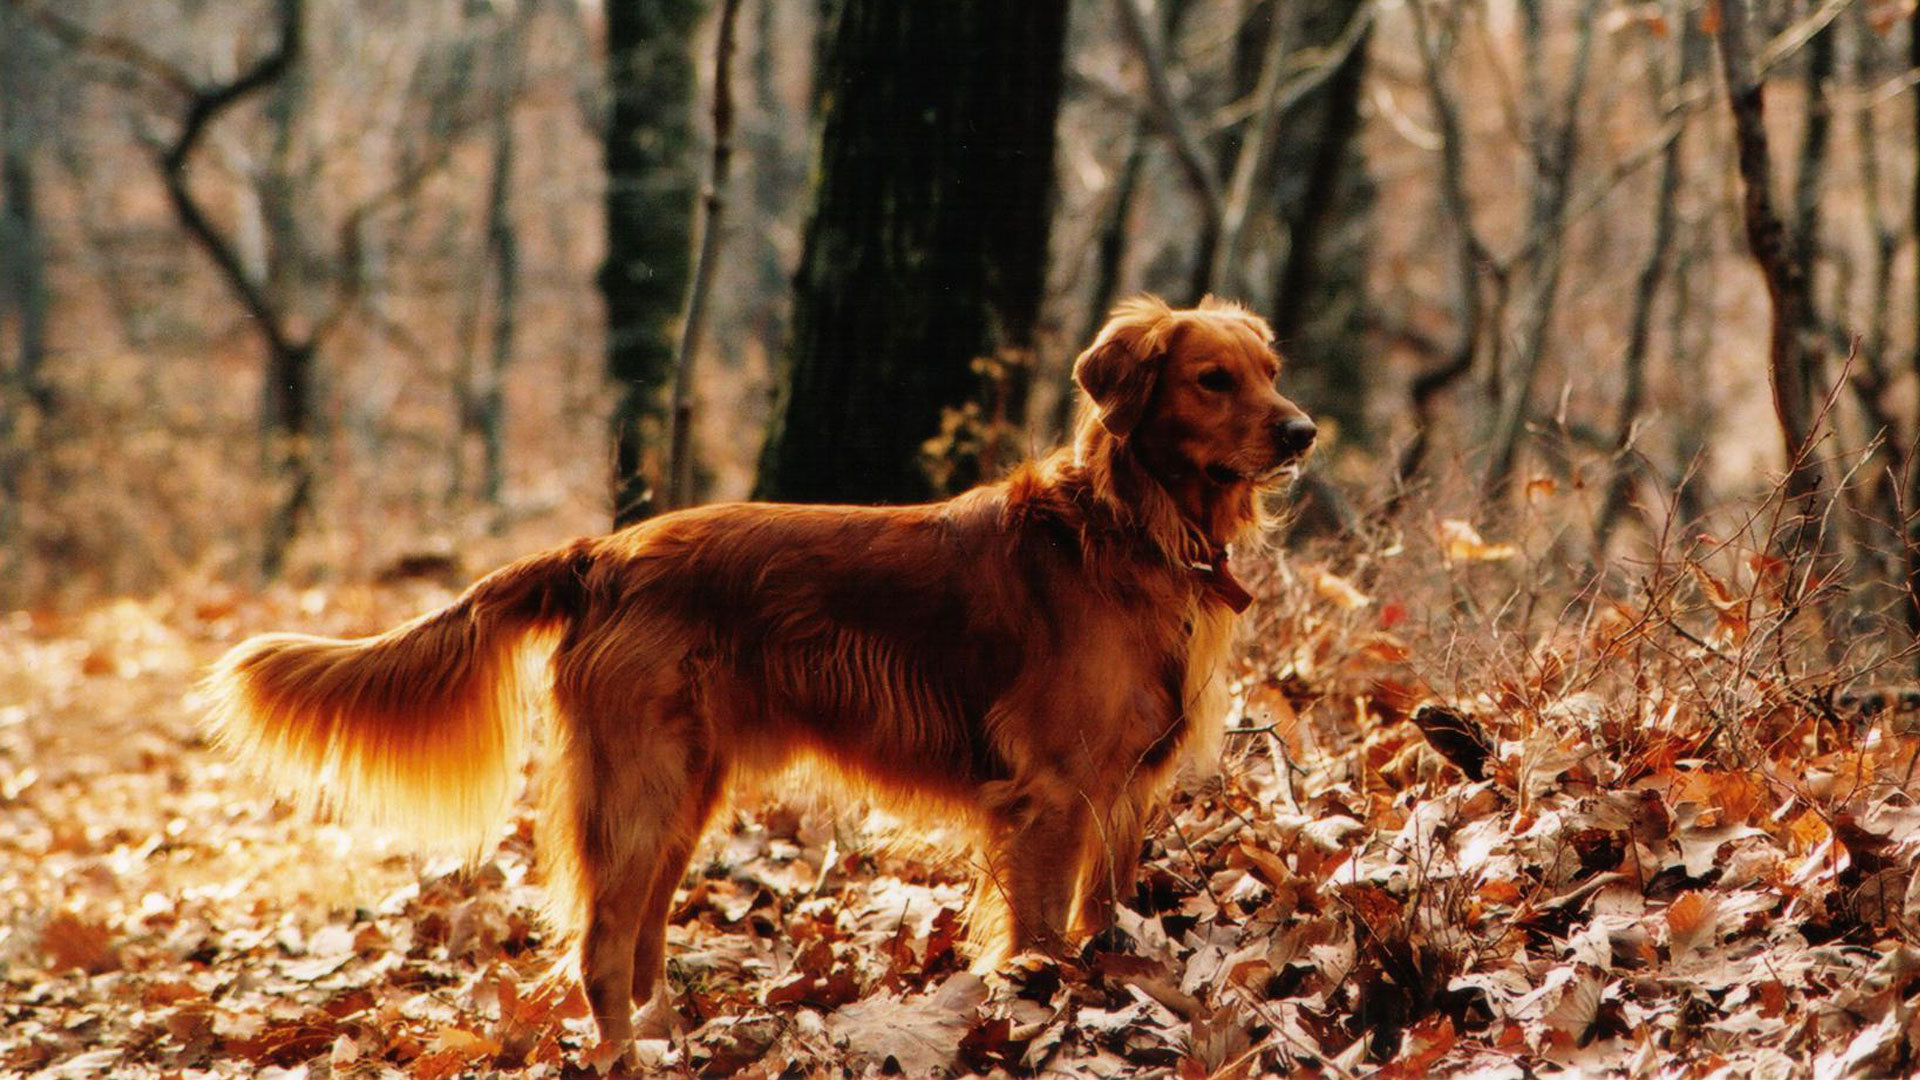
(1325, 201)
(651, 186)
(1109, 262)
(503, 247)
(1792, 358)
(23, 244)
(926, 247)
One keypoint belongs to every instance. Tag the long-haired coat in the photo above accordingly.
(1029, 656)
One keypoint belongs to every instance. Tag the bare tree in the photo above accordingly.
(481, 391)
(1793, 357)
(1324, 202)
(1911, 502)
(1225, 201)
(925, 252)
(291, 324)
(1692, 49)
(23, 284)
(1471, 259)
(651, 182)
(1555, 141)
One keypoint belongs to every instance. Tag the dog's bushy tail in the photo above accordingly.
(421, 728)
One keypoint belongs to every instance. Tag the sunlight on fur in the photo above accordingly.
(412, 741)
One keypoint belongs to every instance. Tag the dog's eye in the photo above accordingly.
(1218, 380)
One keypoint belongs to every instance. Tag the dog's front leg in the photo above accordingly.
(1112, 862)
(1040, 838)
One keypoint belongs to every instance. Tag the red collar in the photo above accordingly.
(1216, 577)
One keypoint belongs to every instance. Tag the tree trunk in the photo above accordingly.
(1109, 261)
(287, 438)
(1470, 254)
(23, 294)
(1912, 507)
(927, 243)
(651, 185)
(287, 392)
(779, 176)
(1792, 359)
(23, 245)
(1555, 142)
(503, 245)
(290, 438)
(1653, 272)
(1324, 200)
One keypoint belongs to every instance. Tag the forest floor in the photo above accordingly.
(1635, 840)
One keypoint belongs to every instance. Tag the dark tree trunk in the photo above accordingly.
(23, 293)
(23, 252)
(1792, 359)
(1912, 507)
(927, 243)
(1324, 199)
(652, 177)
(286, 410)
(1653, 273)
(293, 435)
(503, 245)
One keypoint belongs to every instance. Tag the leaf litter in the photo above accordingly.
(1617, 843)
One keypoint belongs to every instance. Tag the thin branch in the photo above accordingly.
(1791, 363)
(1167, 109)
(1276, 99)
(1647, 287)
(692, 323)
(124, 51)
(1554, 152)
(204, 107)
(1470, 254)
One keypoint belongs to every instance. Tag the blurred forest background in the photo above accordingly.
(339, 290)
(1572, 727)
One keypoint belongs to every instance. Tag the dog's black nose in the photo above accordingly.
(1294, 435)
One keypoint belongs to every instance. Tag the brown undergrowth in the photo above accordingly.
(1482, 813)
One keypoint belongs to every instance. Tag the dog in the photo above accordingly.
(1031, 657)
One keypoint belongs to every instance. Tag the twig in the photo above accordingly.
(1167, 109)
(1276, 99)
(693, 320)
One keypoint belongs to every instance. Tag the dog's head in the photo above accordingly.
(1191, 393)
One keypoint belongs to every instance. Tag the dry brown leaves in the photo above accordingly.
(1601, 850)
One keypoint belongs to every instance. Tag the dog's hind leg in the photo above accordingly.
(649, 948)
(643, 779)
(607, 952)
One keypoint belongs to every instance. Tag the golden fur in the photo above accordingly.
(1028, 657)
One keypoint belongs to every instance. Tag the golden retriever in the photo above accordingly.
(1027, 657)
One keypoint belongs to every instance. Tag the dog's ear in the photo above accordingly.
(1118, 371)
